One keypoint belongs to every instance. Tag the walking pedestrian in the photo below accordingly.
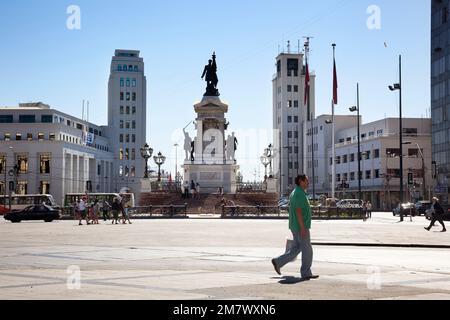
(369, 210)
(76, 213)
(192, 189)
(125, 214)
(82, 212)
(300, 225)
(95, 211)
(197, 190)
(115, 211)
(105, 210)
(437, 215)
(186, 189)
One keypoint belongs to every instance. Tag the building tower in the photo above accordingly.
(290, 118)
(127, 104)
(440, 95)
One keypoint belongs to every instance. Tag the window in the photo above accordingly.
(121, 110)
(22, 163)
(121, 171)
(69, 123)
(289, 134)
(130, 67)
(133, 171)
(352, 176)
(45, 164)
(133, 154)
(295, 103)
(352, 157)
(133, 138)
(22, 187)
(410, 132)
(392, 153)
(120, 154)
(121, 96)
(133, 83)
(99, 170)
(289, 119)
(376, 174)
(125, 67)
(2, 164)
(41, 136)
(289, 104)
(295, 119)
(121, 124)
(6, 119)
(18, 136)
(128, 82)
(128, 110)
(368, 174)
(136, 68)
(289, 88)
(367, 155)
(134, 96)
(133, 110)
(121, 82)
(127, 154)
(345, 176)
(46, 118)
(121, 138)
(127, 138)
(345, 159)
(376, 153)
(295, 88)
(119, 67)
(133, 124)
(27, 118)
(127, 124)
(338, 160)
(338, 177)
(29, 136)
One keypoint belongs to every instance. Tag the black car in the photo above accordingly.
(35, 212)
(405, 208)
(422, 207)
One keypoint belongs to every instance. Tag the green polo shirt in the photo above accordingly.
(298, 199)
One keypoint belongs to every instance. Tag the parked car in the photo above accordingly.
(350, 203)
(422, 207)
(405, 208)
(34, 212)
(446, 217)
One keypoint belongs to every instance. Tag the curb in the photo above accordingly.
(381, 245)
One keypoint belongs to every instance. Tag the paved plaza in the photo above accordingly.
(220, 259)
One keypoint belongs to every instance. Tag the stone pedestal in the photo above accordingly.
(211, 169)
(146, 186)
(271, 186)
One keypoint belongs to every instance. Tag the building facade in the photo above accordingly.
(127, 113)
(440, 95)
(380, 162)
(290, 118)
(54, 153)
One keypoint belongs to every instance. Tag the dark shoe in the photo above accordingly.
(277, 270)
(311, 277)
(80, 224)
(428, 229)
(444, 230)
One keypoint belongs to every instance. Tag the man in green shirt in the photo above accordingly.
(300, 225)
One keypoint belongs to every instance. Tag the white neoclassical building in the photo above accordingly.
(54, 153)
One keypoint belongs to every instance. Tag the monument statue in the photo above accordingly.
(231, 146)
(210, 75)
(187, 145)
(192, 150)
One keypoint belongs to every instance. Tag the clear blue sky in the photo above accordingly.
(41, 60)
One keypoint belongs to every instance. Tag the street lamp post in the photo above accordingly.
(398, 86)
(159, 160)
(356, 109)
(424, 190)
(146, 153)
(265, 160)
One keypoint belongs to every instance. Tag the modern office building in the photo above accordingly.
(290, 118)
(380, 162)
(127, 112)
(54, 153)
(440, 95)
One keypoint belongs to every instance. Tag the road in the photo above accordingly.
(219, 259)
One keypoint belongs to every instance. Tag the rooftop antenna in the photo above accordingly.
(289, 46)
(82, 112)
(87, 111)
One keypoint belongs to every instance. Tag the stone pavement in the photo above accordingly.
(219, 259)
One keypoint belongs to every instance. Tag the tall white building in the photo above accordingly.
(289, 118)
(127, 112)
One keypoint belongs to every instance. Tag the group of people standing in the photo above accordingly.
(190, 190)
(90, 213)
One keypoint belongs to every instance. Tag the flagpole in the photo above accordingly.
(333, 141)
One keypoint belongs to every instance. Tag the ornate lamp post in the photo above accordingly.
(146, 153)
(159, 160)
(265, 160)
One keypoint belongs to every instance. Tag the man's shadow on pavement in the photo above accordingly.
(292, 280)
